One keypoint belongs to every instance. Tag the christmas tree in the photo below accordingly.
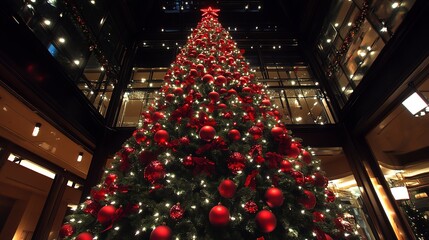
(211, 160)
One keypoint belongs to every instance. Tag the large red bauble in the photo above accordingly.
(285, 166)
(266, 221)
(234, 134)
(221, 106)
(319, 180)
(266, 102)
(178, 91)
(330, 196)
(309, 180)
(214, 96)
(220, 80)
(219, 216)
(139, 136)
(293, 151)
(110, 179)
(200, 67)
(169, 97)
(207, 133)
(232, 91)
(309, 200)
(299, 177)
(256, 132)
(306, 156)
(318, 217)
(66, 230)
(193, 72)
(274, 197)
(157, 115)
(106, 214)
(246, 89)
(161, 233)
(154, 171)
(84, 236)
(277, 131)
(227, 188)
(161, 136)
(208, 78)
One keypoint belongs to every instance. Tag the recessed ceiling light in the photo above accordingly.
(47, 22)
(62, 40)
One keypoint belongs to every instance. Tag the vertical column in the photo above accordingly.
(51, 208)
(368, 178)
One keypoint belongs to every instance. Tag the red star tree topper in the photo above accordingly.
(210, 11)
(211, 161)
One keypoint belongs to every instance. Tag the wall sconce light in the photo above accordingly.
(79, 157)
(36, 129)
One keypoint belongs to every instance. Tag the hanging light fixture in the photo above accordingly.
(36, 129)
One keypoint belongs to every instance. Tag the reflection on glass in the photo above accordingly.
(366, 44)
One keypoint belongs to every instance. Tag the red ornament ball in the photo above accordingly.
(161, 136)
(84, 236)
(214, 96)
(306, 156)
(219, 216)
(251, 207)
(161, 233)
(208, 78)
(178, 91)
(207, 133)
(227, 188)
(169, 97)
(66, 230)
(318, 217)
(266, 221)
(188, 161)
(309, 200)
(139, 136)
(285, 166)
(221, 106)
(154, 171)
(106, 214)
(234, 135)
(92, 207)
(111, 178)
(177, 211)
(157, 115)
(293, 151)
(277, 132)
(220, 80)
(319, 179)
(330, 196)
(256, 132)
(309, 180)
(274, 197)
(299, 177)
(266, 102)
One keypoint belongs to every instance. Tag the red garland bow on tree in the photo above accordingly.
(251, 180)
